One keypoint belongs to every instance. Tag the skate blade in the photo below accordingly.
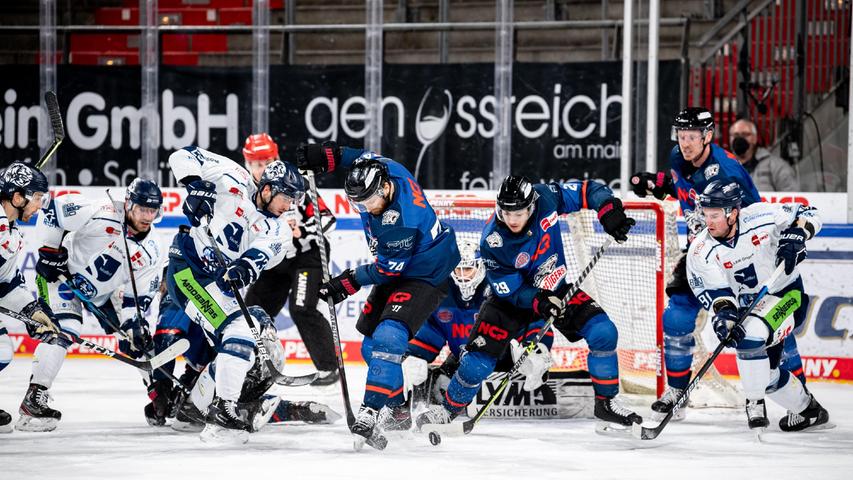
(186, 427)
(612, 429)
(358, 442)
(27, 423)
(758, 434)
(218, 435)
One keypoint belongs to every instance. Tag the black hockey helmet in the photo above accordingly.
(283, 178)
(693, 118)
(24, 179)
(717, 194)
(516, 193)
(365, 179)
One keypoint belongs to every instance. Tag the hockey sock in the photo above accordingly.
(47, 360)
(236, 357)
(752, 360)
(5, 349)
(204, 389)
(601, 336)
(385, 375)
(788, 391)
(791, 360)
(679, 321)
(474, 367)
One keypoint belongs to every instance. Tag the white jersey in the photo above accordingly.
(735, 270)
(13, 292)
(96, 250)
(239, 227)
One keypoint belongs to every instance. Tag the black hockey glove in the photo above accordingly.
(340, 287)
(792, 248)
(724, 322)
(240, 273)
(52, 263)
(47, 331)
(547, 304)
(137, 331)
(658, 184)
(201, 197)
(612, 217)
(323, 158)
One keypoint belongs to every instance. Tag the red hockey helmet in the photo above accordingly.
(260, 147)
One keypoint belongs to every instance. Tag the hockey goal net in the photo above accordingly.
(628, 282)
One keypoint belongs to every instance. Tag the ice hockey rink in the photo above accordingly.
(103, 434)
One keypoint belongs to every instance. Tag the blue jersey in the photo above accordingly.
(455, 317)
(721, 165)
(407, 238)
(517, 265)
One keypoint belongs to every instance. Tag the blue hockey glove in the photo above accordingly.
(724, 321)
(240, 272)
(52, 263)
(792, 248)
(201, 197)
(340, 287)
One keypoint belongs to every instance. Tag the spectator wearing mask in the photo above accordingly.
(769, 172)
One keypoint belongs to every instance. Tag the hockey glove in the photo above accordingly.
(201, 197)
(340, 287)
(534, 366)
(323, 158)
(612, 217)
(658, 184)
(724, 322)
(52, 263)
(792, 248)
(547, 304)
(39, 311)
(240, 272)
(160, 393)
(415, 372)
(139, 340)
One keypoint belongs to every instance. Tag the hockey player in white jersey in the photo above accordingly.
(23, 190)
(243, 219)
(82, 241)
(727, 264)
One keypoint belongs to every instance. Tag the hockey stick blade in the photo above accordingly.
(170, 353)
(298, 381)
(646, 433)
(55, 116)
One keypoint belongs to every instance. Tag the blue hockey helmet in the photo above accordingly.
(283, 178)
(717, 194)
(145, 193)
(24, 179)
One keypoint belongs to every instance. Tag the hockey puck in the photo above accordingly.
(434, 438)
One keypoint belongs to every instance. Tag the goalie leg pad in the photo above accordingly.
(679, 321)
(474, 367)
(601, 336)
(385, 375)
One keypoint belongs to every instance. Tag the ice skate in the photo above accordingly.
(364, 430)
(36, 415)
(262, 410)
(396, 418)
(5, 422)
(814, 417)
(308, 412)
(188, 419)
(662, 406)
(613, 417)
(225, 423)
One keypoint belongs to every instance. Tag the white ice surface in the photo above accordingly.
(103, 434)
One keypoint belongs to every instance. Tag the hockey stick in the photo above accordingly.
(56, 124)
(468, 425)
(154, 362)
(333, 316)
(646, 433)
(280, 378)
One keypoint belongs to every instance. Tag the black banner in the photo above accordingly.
(439, 120)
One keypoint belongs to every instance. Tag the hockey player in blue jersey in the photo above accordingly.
(526, 268)
(451, 324)
(694, 162)
(415, 253)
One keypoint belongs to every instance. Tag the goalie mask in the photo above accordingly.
(470, 272)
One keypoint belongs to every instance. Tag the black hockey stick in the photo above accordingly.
(154, 362)
(280, 378)
(468, 425)
(56, 125)
(646, 433)
(333, 316)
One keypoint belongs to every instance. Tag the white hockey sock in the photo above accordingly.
(203, 390)
(791, 395)
(754, 376)
(230, 375)
(47, 360)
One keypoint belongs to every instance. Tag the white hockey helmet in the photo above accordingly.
(470, 271)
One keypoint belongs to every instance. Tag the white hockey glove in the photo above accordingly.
(534, 366)
(415, 372)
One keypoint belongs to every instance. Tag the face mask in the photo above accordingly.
(740, 145)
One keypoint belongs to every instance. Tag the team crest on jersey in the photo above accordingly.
(549, 274)
(728, 265)
(390, 217)
(479, 341)
(548, 221)
(522, 260)
(70, 209)
(712, 170)
(695, 282)
(444, 315)
(494, 240)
